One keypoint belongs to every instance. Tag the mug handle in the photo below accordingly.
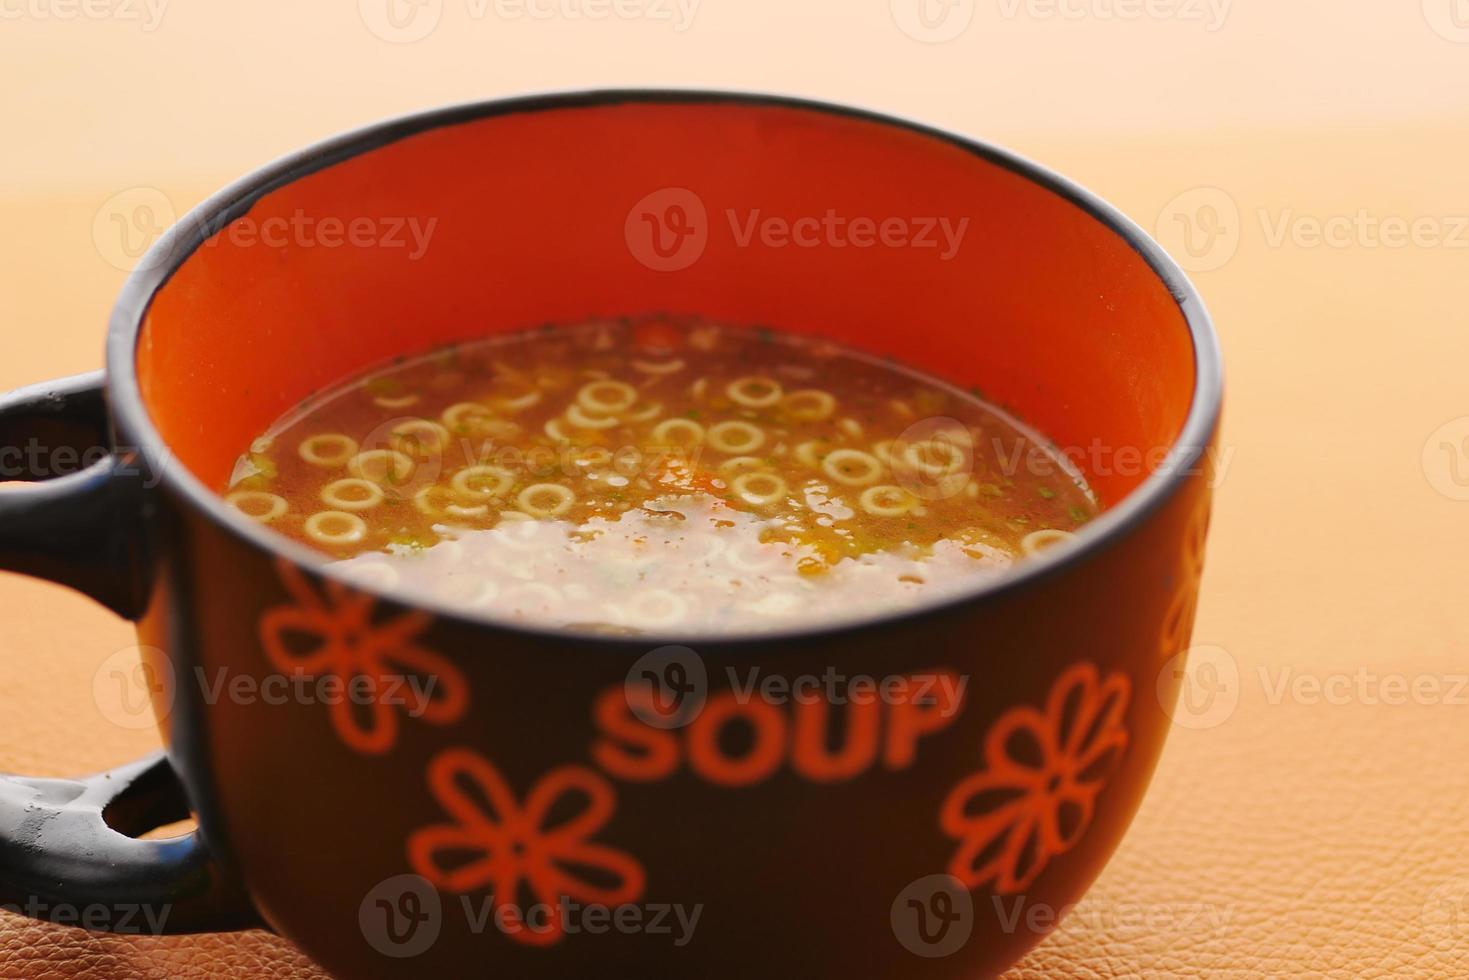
(68, 848)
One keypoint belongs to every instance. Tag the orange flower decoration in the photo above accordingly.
(510, 845)
(380, 667)
(1043, 770)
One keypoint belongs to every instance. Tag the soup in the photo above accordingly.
(661, 475)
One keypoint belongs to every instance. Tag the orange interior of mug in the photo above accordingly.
(982, 277)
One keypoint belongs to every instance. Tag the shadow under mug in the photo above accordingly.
(529, 811)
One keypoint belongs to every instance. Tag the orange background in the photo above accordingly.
(1299, 823)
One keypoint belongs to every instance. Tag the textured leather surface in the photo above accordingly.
(43, 950)
(1303, 833)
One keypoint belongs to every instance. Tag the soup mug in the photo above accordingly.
(404, 787)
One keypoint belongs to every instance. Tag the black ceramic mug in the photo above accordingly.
(404, 788)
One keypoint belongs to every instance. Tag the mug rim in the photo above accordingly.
(177, 245)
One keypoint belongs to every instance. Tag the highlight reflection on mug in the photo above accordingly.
(933, 917)
(1200, 228)
(134, 688)
(128, 224)
(668, 230)
(401, 917)
(401, 21)
(1207, 683)
(933, 21)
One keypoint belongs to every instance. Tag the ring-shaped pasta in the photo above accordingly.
(470, 481)
(381, 466)
(432, 500)
(852, 467)
(578, 417)
(337, 494)
(518, 532)
(884, 451)
(740, 464)
(750, 556)
(439, 501)
(735, 437)
(659, 367)
(419, 437)
(663, 432)
(258, 505)
(754, 391)
(812, 452)
(592, 458)
(914, 456)
(335, 527)
(519, 403)
(657, 607)
(647, 413)
(531, 500)
(759, 489)
(467, 416)
(530, 592)
(606, 397)
(327, 448)
(395, 401)
(1048, 537)
(887, 500)
(809, 405)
